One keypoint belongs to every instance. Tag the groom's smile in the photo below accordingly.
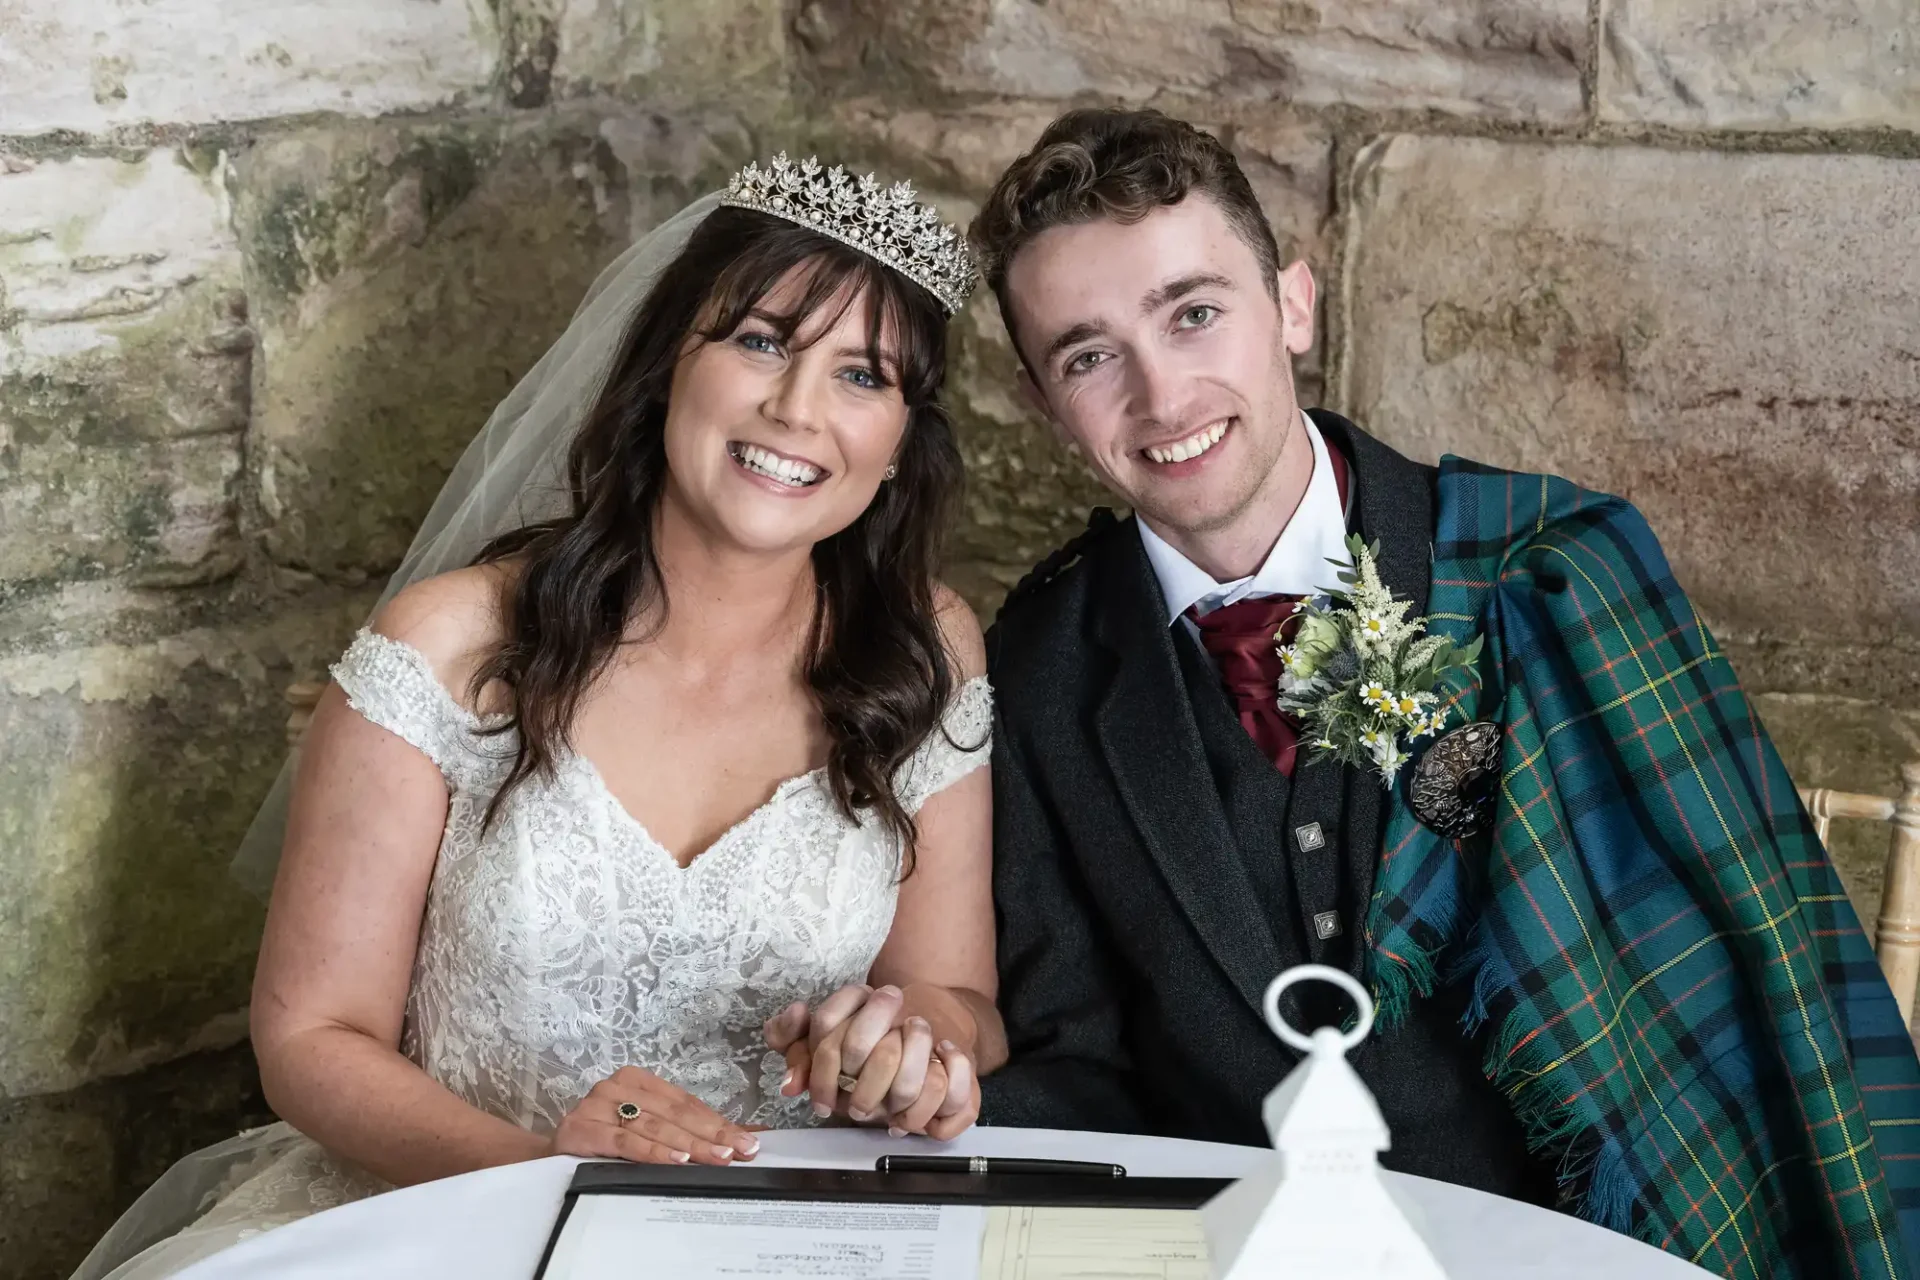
(1161, 349)
(1189, 448)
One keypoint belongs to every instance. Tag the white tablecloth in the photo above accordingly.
(492, 1225)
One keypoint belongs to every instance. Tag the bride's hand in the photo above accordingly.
(797, 1032)
(673, 1126)
(901, 1076)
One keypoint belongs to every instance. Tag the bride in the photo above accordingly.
(660, 757)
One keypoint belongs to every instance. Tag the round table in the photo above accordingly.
(492, 1225)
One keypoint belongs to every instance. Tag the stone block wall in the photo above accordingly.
(265, 267)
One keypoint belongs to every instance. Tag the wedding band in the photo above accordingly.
(627, 1111)
(848, 1083)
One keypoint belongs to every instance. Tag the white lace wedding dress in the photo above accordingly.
(565, 943)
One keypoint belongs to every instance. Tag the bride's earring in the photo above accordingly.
(891, 472)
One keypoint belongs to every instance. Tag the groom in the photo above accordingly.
(1615, 969)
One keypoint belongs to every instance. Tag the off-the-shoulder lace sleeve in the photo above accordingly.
(392, 684)
(946, 757)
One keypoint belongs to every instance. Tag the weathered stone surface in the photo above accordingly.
(404, 278)
(1288, 161)
(1290, 165)
(129, 774)
(1847, 745)
(56, 1180)
(1706, 335)
(1875, 669)
(71, 1162)
(65, 65)
(1502, 59)
(124, 364)
(719, 51)
(962, 151)
(1760, 63)
(1025, 493)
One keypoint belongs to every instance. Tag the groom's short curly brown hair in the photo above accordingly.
(1106, 162)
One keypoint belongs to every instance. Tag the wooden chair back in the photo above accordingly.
(1896, 934)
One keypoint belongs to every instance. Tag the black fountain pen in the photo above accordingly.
(996, 1164)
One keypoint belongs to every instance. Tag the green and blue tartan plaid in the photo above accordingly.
(1680, 1003)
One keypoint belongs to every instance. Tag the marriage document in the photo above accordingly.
(1024, 1243)
(621, 1237)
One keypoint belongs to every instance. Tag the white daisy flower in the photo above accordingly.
(1329, 656)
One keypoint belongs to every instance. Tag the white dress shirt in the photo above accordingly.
(1298, 565)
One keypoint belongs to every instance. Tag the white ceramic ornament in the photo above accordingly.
(1318, 1207)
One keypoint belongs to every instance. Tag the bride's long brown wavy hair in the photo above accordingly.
(874, 658)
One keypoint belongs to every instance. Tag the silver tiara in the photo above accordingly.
(885, 223)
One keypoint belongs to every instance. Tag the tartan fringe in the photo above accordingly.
(1611, 1191)
(1396, 980)
(1476, 965)
(1595, 1180)
(1411, 970)
(1593, 1177)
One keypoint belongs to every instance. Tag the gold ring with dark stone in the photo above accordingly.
(848, 1083)
(627, 1111)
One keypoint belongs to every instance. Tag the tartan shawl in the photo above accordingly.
(1679, 1002)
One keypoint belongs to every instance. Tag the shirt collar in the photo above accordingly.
(1298, 564)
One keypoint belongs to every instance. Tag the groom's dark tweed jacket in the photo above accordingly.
(1151, 878)
(1681, 1007)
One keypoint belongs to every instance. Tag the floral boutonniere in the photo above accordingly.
(1361, 675)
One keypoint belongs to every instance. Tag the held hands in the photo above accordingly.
(859, 1034)
(670, 1125)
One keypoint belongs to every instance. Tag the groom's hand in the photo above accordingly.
(901, 1076)
(849, 1034)
(799, 1033)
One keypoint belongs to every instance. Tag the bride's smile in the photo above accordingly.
(781, 432)
(787, 474)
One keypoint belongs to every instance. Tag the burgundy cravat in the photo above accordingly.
(1242, 638)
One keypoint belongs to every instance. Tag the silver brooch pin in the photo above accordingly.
(1452, 787)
